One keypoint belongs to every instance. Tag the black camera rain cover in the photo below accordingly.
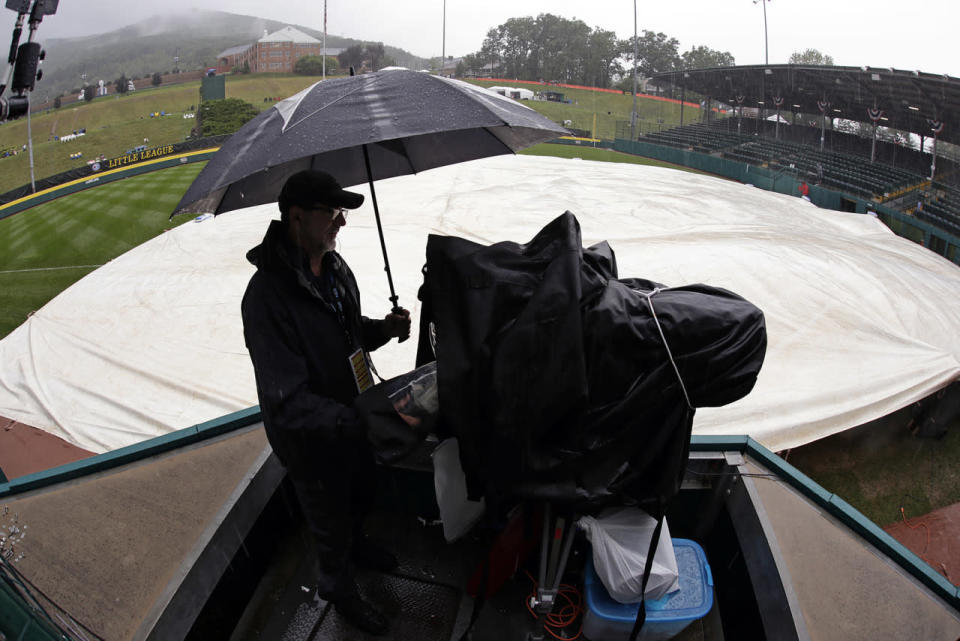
(554, 374)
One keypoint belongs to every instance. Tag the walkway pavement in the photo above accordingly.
(934, 537)
(25, 450)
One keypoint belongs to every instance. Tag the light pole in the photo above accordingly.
(443, 44)
(324, 64)
(766, 47)
(766, 57)
(633, 115)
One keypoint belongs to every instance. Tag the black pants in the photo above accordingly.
(335, 505)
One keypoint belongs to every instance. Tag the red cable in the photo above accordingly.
(566, 616)
(914, 527)
(922, 555)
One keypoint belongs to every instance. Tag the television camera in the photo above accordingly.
(24, 59)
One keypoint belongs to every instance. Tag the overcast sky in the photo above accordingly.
(913, 35)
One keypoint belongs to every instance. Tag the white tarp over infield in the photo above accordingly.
(860, 321)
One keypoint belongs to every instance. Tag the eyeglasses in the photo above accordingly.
(333, 212)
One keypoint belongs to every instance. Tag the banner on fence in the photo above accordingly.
(138, 155)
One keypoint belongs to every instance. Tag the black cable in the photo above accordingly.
(24, 580)
(907, 495)
(16, 584)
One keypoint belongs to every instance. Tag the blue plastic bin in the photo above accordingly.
(608, 620)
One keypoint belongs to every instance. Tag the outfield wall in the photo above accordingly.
(103, 178)
(95, 168)
(786, 182)
(580, 141)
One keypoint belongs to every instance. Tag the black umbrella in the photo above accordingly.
(360, 129)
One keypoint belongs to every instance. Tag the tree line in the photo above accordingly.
(556, 49)
(372, 57)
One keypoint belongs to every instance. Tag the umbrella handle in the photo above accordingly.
(398, 310)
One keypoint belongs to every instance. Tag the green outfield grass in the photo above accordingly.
(47, 248)
(599, 111)
(586, 152)
(878, 470)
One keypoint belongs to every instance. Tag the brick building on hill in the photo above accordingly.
(232, 57)
(275, 52)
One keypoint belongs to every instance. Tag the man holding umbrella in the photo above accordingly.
(309, 345)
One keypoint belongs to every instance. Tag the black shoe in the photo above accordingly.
(371, 556)
(362, 614)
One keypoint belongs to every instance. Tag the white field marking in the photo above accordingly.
(46, 269)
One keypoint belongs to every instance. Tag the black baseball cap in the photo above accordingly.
(310, 189)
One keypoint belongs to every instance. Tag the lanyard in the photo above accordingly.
(338, 307)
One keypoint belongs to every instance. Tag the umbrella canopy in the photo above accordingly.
(408, 122)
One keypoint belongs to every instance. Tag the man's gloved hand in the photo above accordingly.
(396, 324)
(350, 428)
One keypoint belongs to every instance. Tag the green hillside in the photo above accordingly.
(139, 50)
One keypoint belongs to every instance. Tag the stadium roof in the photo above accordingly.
(289, 34)
(909, 99)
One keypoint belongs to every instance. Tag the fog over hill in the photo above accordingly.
(196, 37)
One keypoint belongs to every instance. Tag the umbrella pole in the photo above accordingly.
(383, 245)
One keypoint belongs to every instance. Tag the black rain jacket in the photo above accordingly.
(300, 353)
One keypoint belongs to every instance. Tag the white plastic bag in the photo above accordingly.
(621, 538)
(457, 512)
